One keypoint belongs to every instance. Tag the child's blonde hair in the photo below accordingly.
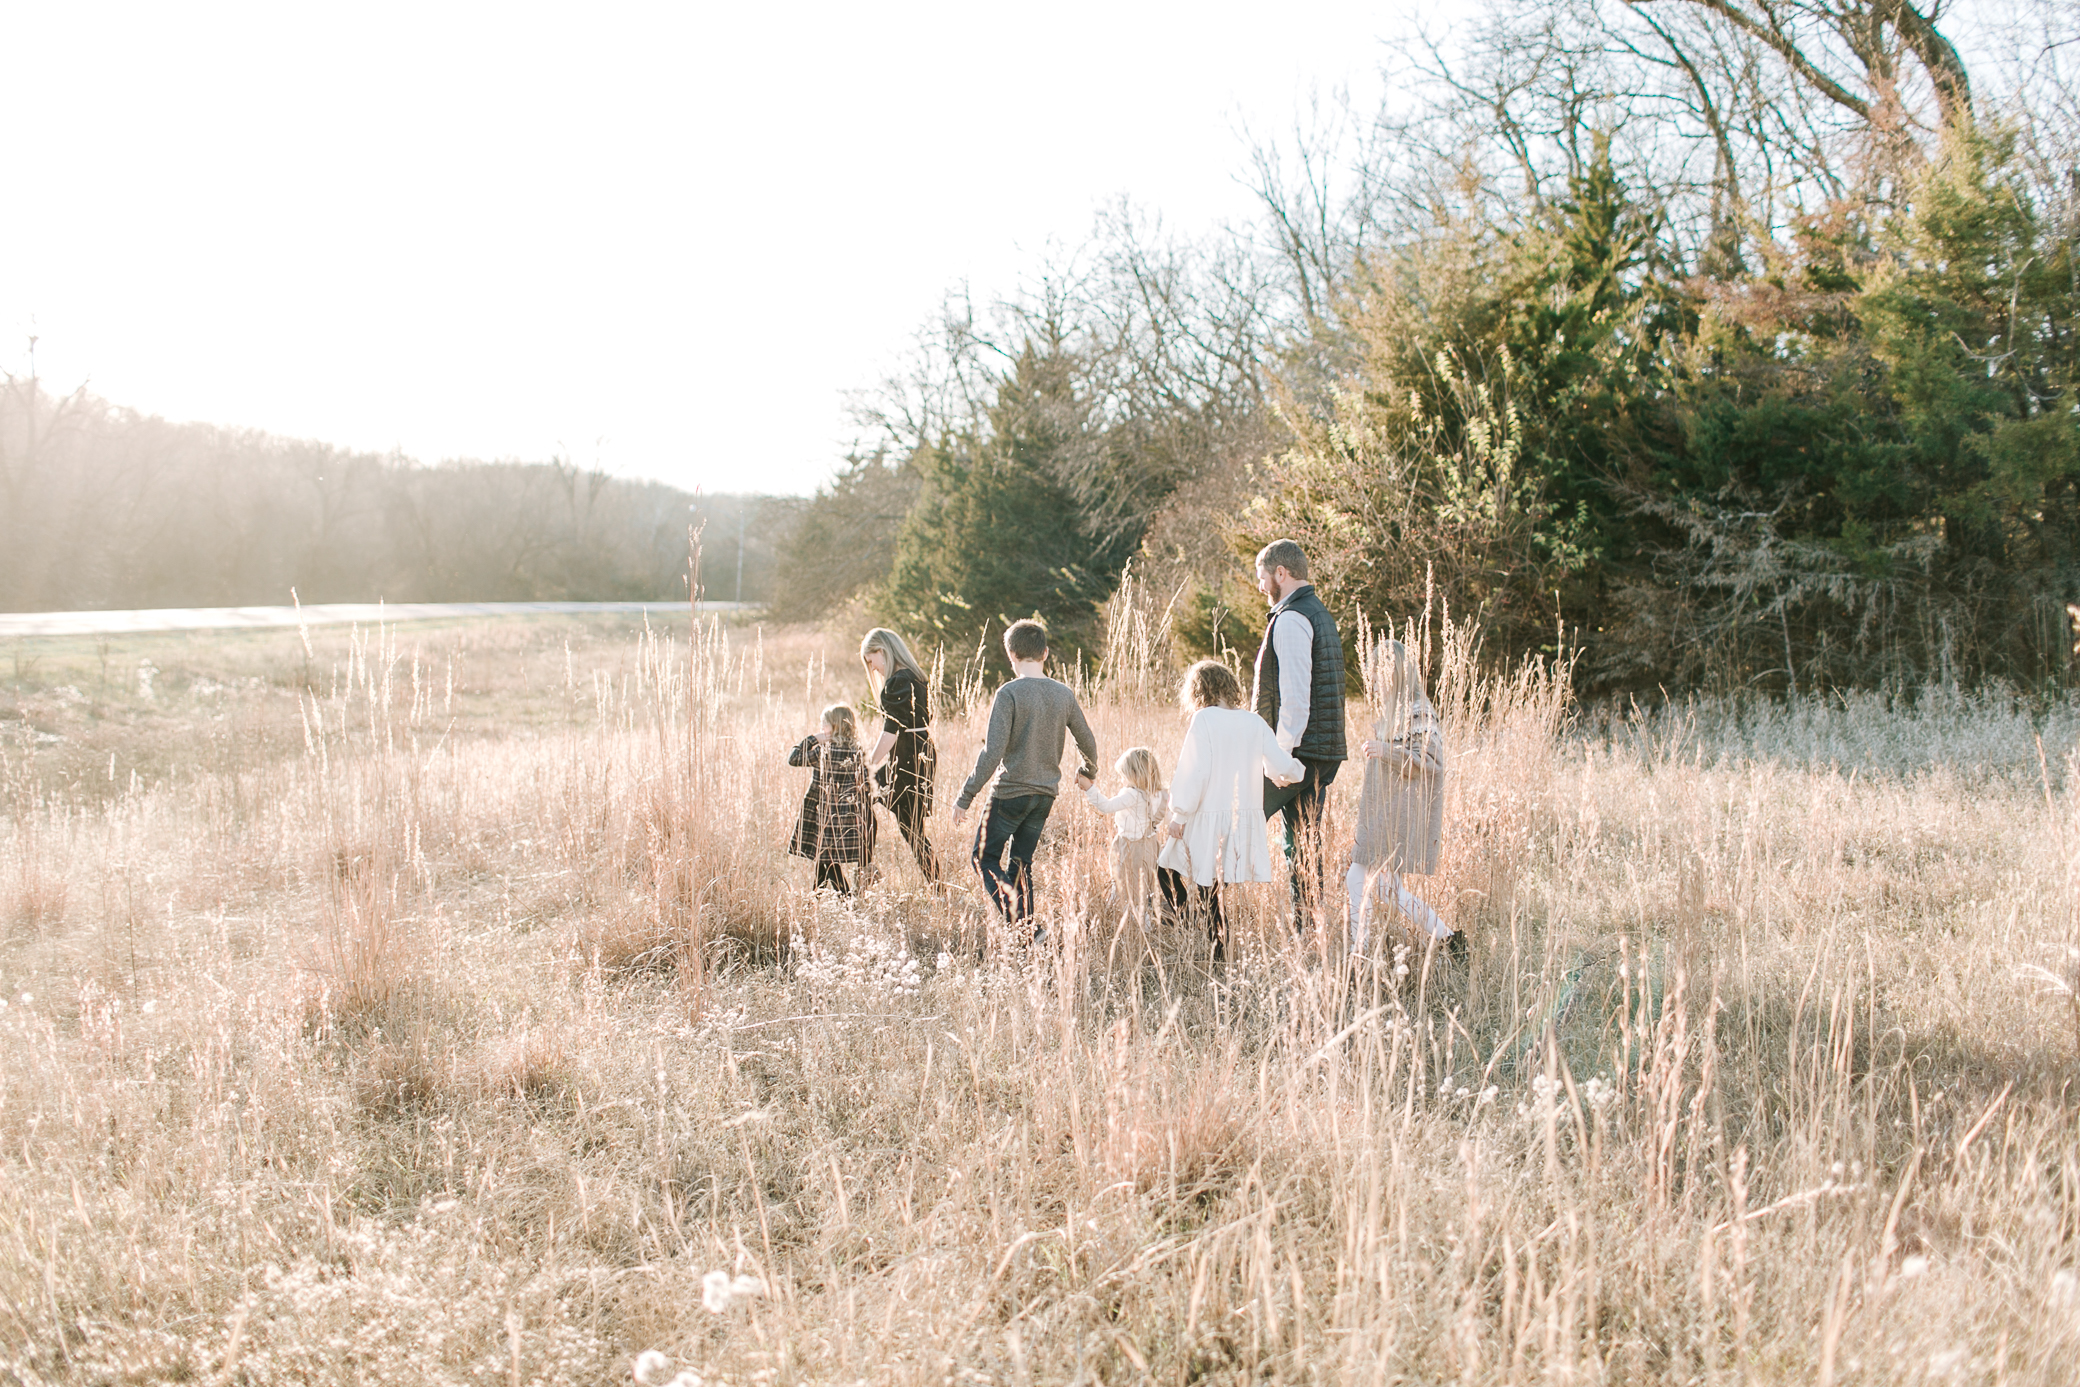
(1397, 679)
(844, 731)
(1209, 684)
(1138, 767)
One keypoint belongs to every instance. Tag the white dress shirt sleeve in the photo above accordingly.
(1292, 638)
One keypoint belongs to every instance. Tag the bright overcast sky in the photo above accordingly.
(665, 238)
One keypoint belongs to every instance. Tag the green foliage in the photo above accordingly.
(1861, 463)
(843, 540)
(997, 533)
(1468, 455)
(1871, 467)
(1222, 620)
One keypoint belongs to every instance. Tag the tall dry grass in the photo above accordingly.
(472, 1045)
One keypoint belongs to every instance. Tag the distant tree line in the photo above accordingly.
(104, 507)
(1724, 344)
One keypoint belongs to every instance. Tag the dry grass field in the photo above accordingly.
(439, 1005)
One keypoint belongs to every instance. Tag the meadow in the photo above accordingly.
(438, 1004)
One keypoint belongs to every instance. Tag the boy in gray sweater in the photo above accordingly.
(1029, 720)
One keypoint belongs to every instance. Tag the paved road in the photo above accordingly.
(318, 614)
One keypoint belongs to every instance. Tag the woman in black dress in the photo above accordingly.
(906, 762)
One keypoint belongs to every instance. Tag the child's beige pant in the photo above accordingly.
(1134, 873)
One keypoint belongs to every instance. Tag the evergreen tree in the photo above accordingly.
(998, 534)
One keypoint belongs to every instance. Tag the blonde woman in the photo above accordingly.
(904, 761)
(836, 825)
(1401, 807)
(1216, 829)
(1137, 811)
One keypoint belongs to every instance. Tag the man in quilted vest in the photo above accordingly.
(1299, 691)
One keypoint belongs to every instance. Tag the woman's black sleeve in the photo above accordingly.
(899, 703)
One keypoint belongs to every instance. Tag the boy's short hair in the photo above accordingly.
(1025, 640)
(1283, 553)
(1210, 684)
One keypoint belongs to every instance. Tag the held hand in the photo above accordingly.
(1372, 747)
(1084, 782)
(960, 815)
(1393, 753)
(1176, 830)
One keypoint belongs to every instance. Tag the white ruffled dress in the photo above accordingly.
(1218, 795)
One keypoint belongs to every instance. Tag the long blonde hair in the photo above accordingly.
(1138, 766)
(890, 645)
(1398, 688)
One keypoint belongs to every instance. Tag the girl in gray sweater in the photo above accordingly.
(1401, 807)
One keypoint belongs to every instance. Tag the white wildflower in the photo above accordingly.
(719, 1290)
(1544, 1099)
(1599, 1093)
(869, 969)
(2065, 1288)
(1946, 1361)
(1912, 1267)
(649, 1364)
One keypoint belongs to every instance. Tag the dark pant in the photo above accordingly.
(1299, 809)
(1014, 824)
(1197, 904)
(832, 875)
(909, 817)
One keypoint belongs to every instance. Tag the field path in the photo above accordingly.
(15, 624)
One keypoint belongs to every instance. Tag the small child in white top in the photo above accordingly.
(1137, 814)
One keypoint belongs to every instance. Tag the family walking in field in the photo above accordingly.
(1174, 847)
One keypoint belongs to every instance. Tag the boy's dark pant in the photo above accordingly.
(1013, 823)
(830, 874)
(1299, 808)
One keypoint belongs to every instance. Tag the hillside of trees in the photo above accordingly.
(1729, 345)
(103, 507)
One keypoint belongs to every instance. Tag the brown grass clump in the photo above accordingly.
(462, 1019)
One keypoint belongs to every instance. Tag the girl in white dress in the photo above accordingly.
(1217, 800)
(1401, 807)
(1137, 814)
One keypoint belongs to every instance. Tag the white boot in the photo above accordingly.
(1418, 910)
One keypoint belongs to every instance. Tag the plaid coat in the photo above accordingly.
(836, 823)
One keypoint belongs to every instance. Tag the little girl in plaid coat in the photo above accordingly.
(836, 824)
